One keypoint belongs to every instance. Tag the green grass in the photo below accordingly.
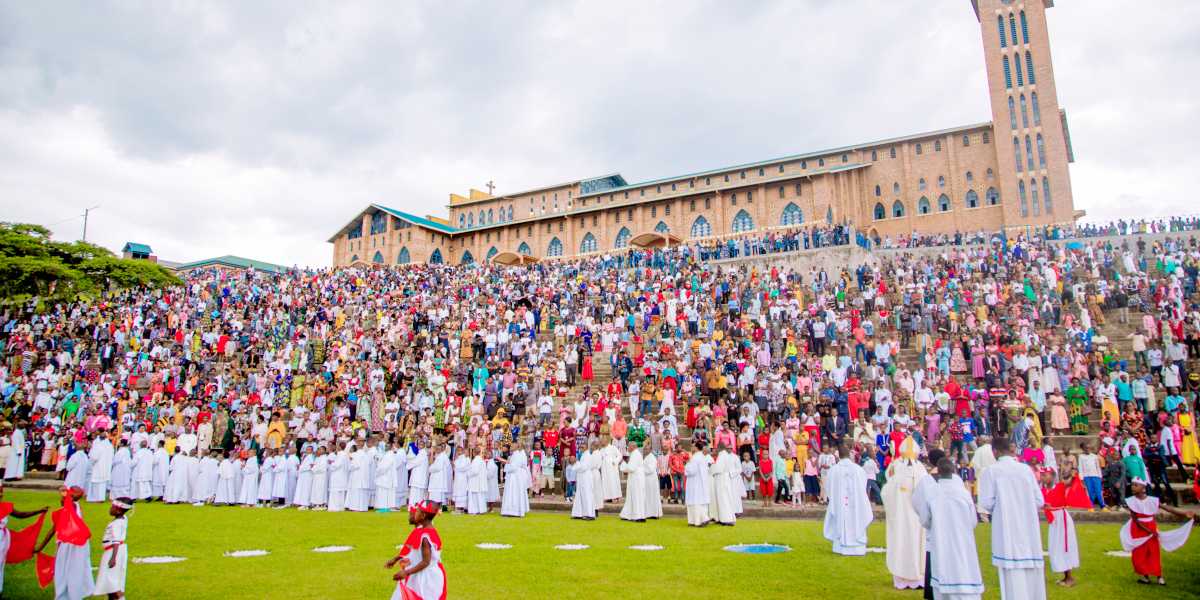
(692, 564)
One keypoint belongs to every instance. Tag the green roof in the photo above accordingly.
(136, 248)
(233, 261)
(411, 218)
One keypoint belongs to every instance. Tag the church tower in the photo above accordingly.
(1033, 145)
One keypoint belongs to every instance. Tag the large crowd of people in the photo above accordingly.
(475, 387)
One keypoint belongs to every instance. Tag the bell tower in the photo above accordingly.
(1032, 142)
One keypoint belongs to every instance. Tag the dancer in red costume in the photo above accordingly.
(421, 575)
(1141, 536)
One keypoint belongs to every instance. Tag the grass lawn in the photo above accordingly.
(691, 565)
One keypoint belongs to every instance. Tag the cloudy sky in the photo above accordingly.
(259, 128)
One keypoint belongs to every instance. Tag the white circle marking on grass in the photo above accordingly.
(487, 546)
(333, 549)
(1119, 553)
(242, 553)
(158, 560)
(648, 548)
(572, 547)
(876, 550)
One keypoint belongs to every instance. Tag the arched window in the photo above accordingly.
(378, 258)
(1033, 195)
(435, 258)
(987, 139)
(922, 206)
(672, 187)
(481, 221)
(1012, 113)
(726, 179)
(466, 258)
(878, 192)
(991, 175)
(1046, 195)
(1029, 151)
(1024, 28)
(897, 209)
(1024, 202)
(708, 181)
(921, 185)
(970, 177)
(554, 249)
(781, 192)
(743, 175)
(492, 253)
(993, 197)
(943, 203)
(588, 244)
(489, 215)
(798, 188)
(403, 257)
(471, 220)
(820, 162)
(937, 146)
(972, 199)
(874, 156)
(462, 221)
(941, 181)
(1007, 74)
(1017, 66)
(896, 188)
(1041, 153)
(622, 238)
(845, 159)
(918, 148)
(1037, 113)
(354, 259)
(880, 211)
(762, 173)
(701, 228)
(1024, 113)
(780, 168)
(1017, 152)
(662, 228)
(523, 249)
(749, 197)
(792, 216)
(502, 214)
(1012, 20)
(893, 153)
(742, 223)
(966, 142)
(803, 164)
(1003, 38)
(1029, 66)
(693, 206)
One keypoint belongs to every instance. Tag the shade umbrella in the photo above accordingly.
(1074, 246)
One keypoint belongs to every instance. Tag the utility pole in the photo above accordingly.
(85, 218)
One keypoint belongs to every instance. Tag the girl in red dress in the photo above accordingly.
(1141, 536)
(421, 575)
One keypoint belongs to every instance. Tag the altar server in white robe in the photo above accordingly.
(514, 487)
(226, 483)
(176, 490)
(522, 459)
(849, 510)
(142, 471)
(720, 508)
(493, 479)
(947, 510)
(291, 474)
(905, 536)
(248, 492)
(385, 481)
(650, 474)
(192, 468)
(1009, 491)
(462, 469)
(304, 480)
(15, 468)
(610, 477)
(585, 504)
(357, 491)
(320, 483)
(339, 478)
(439, 472)
(400, 457)
(418, 474)
(101, 458)
(635, 486)
(161, 468)
(79, 468)
(477, 484)
(737, 481)
(120, 482)
(266, 476)
(697, 487)
(207, 478)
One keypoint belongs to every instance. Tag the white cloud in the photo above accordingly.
(258, 129)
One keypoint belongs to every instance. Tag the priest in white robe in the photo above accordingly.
(266, 477)
(142, 471)
(514, 487)
(477, 484)
(120, 483)
(176, 490)
(418, 474)
(226, 485)
(720, 508)
(493, 479)
(610, 477)
(635, 486)
(738, 482)
(462, 472)
(339, 478)
(849, 510)
(101, 458)
(697, 487)
(15, 467)
(161, 468)
(650, 474)
(585, 505)
(400, 457)
(905, 536)
(357, 490)
(79, 468)
(440, 472)
(207, 478)
(385, 482)
(304, 480)
(320, 483)
(947, 511)
(248, 491)
(522, 459)
(1009, 491)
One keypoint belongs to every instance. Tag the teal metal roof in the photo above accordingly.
(136, 248)
(233, 261)
(415, 220)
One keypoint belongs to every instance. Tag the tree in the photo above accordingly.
(128, 273)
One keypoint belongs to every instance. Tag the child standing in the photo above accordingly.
(73, 557)
(569, 478)
(1141, 536)
(421, 575)
(111, 578)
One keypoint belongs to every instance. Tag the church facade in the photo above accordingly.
(1012, 171)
